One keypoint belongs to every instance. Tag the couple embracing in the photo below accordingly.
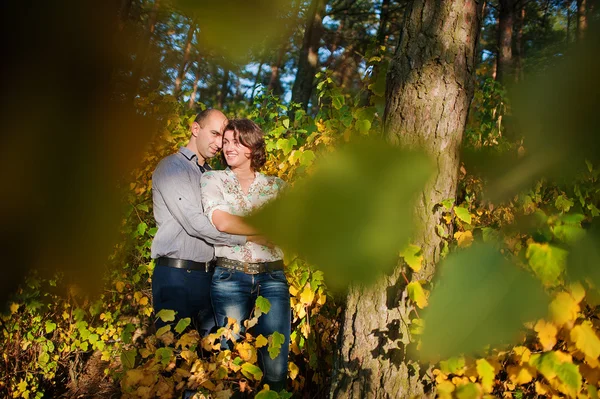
(209, 264)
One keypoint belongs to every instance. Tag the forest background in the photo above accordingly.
(493, 293)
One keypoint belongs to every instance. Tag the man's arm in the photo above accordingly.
(173, 183)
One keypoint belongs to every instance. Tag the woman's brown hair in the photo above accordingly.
(250, 135)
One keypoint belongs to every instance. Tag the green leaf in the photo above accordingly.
(481, 299)
(312, 217)
(452, 365)
(487, 373)
(141, 228)
(166, 315)
(128, 358)
(266, 394)
(463, 214)
(411, 256)
(363, 126)
(337, 101)
(182, 325)
(163, 330)
(126, 335)
(163, 355)
(547, 262)
(50, 326)
(263, 304)
(252, 371)
(549, 364)
(467, 391)
(416, 294)
(563, 203)
(286, 123)
(584, 259)
(307, 157)
(448, 203)
(276, 340)
(142, 207)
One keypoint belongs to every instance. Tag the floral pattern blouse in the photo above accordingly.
(221, 190)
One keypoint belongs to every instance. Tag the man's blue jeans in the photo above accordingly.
(185, 291)
(234, 295)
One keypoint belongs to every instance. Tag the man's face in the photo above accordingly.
(209, 135)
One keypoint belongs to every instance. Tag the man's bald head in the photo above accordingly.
(206, 114)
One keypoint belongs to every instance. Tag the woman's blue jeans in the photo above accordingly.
(234, 295)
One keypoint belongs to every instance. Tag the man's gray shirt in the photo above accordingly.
(184, 231)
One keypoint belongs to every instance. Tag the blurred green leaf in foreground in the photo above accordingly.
(481, 299)
(352, 216)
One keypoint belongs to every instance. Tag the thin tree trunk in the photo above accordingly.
(581, 18)
(196, 80)
(256, 80)
(506, 24)
(224, 88)
(383, 22)
(520, 19)
(275, 80)
(144, 48)
(309, 54)
(430, 85)
(186, 56)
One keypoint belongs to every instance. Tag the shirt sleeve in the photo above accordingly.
(174, 184)
(212, 195)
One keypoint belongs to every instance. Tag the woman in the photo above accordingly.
(247, 271)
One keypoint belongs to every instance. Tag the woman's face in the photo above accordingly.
(236, 154)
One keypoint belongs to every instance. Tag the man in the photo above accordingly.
(183, 243)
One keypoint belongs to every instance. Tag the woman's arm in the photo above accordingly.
(227, 223)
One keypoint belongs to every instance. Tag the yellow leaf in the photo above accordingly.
(541, 389)
(321, 298)
(143, 301)
(445, 389)
(464, 238)
(577, 292)
(546, 334)
(14, 307)
(522, 353)
(520, 374)
(307, 295)
(586, 340)
(137, 296)
(417, 294)
(119, 285)
(563, 309)
(261, 341)
(293, 290)
(293, 370)
(246, 351)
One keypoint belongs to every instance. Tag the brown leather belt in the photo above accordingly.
(250, 268)
(185, 264)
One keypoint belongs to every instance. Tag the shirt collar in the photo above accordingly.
(258, 177)
(189, 154)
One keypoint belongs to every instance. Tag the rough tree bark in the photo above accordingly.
(224, 89)
(309, 58)
(186, 57)
(581, 18)
(506, 23)
(430, 85)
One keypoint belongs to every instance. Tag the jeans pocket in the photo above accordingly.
(278, 275)
(222, 275)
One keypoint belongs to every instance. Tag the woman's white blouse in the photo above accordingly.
(221, 190)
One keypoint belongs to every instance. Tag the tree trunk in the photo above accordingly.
(186, 56)
(383, 22)
(256, 80)
(275, 80)
(144, 48)
(195, 87)
(224, 89)
(505, 38)
(581, 18)
(519, 22)
(430, 85)
(124, 10)
(309, 54)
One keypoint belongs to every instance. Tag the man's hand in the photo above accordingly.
(261, 240)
